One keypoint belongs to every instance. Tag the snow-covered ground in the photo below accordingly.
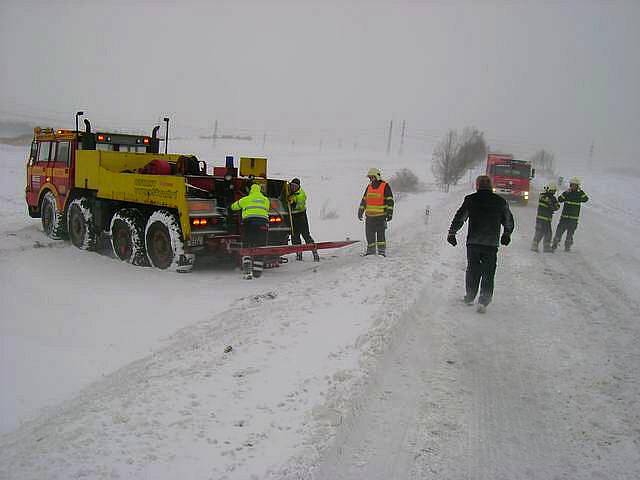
(353, 368)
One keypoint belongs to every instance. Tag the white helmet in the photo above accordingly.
(550, 188)
(374, 172)
(575, 181)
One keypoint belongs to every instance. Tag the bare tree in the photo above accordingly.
(473, 148)
(456, 154)
(544, 162)
(444, 157)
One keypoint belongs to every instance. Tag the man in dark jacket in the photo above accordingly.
(572, 199)
(486, 212)
(547, 205)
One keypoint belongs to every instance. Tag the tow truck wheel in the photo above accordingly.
(81, 224)
(165, 243)
(52, 217)
(127, 236)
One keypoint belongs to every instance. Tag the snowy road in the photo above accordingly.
(546, 385)
(354, 368)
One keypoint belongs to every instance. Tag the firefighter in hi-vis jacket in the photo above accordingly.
(547, 205)
(377, 205)
(572, 200)
(255, 224)
(299, 219)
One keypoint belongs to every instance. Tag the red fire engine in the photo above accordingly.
(511, 178)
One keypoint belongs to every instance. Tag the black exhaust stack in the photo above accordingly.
(166, 137)
(154, 144)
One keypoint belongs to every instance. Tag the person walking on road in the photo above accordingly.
(299, 220)
(255, 224)
(377, 205)
(547, 205)
(572, 200)
(487, 213)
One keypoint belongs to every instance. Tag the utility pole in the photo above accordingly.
(389, 139)
(215, 132)
(404, 122)
(590, 164)
(264, 139)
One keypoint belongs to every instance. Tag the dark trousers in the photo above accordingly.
(301, 229)
(254, 234)
(543, 232)
(374, 228)
(568, 225)
(481, 269)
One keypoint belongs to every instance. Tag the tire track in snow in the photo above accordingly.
(512, 403)
(379, 438)
(138, 420)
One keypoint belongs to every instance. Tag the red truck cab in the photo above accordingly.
(511, 178)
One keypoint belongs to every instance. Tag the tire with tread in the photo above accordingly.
(127, 236)
(52, 218)
(165, 243)
(81, 224)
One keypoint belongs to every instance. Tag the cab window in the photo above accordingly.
(43, 152)
(62, 153)
(33, 154)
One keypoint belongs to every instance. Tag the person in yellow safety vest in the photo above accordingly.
(255, 224)
(299, 220)
(377, 204)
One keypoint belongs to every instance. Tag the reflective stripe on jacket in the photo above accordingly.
(547, 205)
(572, 201)
(377, 202)
(254, 205)
(298, 201)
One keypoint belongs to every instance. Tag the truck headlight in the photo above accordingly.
(526, 195)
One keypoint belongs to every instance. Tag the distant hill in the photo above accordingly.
(14, 128)
(18, 140)
(13, 132)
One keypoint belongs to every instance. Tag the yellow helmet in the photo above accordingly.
(550, 187)
(574, 181)
(374, 172)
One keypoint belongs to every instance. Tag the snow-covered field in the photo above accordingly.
(353, 368)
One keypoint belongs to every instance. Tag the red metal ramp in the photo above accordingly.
(286, 249)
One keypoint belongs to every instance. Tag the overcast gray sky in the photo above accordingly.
(554, 74)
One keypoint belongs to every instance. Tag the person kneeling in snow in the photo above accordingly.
(255, 224)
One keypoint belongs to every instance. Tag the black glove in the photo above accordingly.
(389, 217)
(505, 239)
(359, 215)
(451, 238)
